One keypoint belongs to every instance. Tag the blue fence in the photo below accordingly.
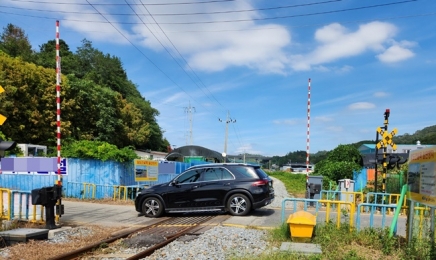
(92, 178)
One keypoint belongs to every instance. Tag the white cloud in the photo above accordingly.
(397, 52)
(213, 46)
(380, 94)
(336, 42)
(218, 46)
(323, 119)
(335, 129)
(361, 105)
(286, 122)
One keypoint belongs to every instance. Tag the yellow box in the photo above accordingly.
(301, 224)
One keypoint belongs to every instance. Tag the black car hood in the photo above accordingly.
(155, 186)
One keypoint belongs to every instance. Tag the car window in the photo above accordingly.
(244, 172)
(214, 174)
(226, 175)
(261, 173)
(189, 176)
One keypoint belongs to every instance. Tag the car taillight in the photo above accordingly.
(260, 183)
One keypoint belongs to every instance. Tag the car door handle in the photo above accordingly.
(227, 184)
(195, 187)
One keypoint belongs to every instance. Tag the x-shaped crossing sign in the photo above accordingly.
(387, 138)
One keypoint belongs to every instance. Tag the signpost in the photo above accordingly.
(386, 140)
(421, 186)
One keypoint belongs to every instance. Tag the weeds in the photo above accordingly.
(343, 244)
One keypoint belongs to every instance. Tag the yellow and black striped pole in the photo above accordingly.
(2, 117)
(385, 141)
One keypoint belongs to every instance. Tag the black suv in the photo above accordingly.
(230, 187)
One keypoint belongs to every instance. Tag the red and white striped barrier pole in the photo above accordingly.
(58, 104)
(308, 135)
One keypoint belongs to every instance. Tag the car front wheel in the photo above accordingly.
(239, 205)
(152, 207)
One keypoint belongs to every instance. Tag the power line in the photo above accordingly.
(154, 64)
(293, 16)
(234, 21)
(163, 4)
(175, 48)
(179, 14)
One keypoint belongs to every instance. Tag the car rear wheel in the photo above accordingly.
(239, 205)
(152, 207)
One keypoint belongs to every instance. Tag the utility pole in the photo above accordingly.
(189, 111)
(228, 120)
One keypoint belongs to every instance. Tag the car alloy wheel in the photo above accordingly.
(239, 205)
(152, 207)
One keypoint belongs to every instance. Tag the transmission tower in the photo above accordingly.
(190, 110)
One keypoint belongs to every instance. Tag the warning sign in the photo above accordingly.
(146, 170)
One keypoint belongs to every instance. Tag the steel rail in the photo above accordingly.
(149, 251)
(179, 227)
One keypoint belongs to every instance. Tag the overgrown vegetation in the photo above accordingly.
(295, 183)
(99, 102)
(341, 243)
(340, 163)
(98, 150)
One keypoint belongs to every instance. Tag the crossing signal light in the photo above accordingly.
(6, 146)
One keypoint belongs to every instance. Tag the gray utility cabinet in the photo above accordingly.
(314, 187)
(345, 186)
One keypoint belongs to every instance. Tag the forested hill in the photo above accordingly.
(426, 136)
(99, 102)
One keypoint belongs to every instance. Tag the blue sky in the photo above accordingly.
(252, 60)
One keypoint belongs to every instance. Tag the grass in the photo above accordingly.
(341, 243)
(295, 183)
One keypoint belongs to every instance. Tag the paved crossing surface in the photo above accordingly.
(81, 213)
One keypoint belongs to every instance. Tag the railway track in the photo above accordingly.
(148, 239)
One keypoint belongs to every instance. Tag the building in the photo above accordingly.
(33, 150)
(401, 148)
(151, 155)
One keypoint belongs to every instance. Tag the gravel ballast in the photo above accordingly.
(220, 242)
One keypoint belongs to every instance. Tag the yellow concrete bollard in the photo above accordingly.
(301, 224)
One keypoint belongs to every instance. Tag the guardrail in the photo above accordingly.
(384, 198)
(336, 195)
(343, 209)
(16, 205)
(125, 192)
(373, 210)
(5, 204)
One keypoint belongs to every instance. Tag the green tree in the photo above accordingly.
(340, 163)
(29, 102)
(46, 57)
(14, 42)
